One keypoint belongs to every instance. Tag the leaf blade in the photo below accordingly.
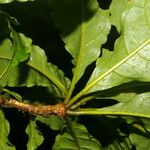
(82, 33)
(124, 63)
(4, 126)
(37, 71)
(35, 137)
(124, 46)
(84, 141)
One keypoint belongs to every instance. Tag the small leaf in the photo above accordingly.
(35, 137)
(19, 52)
(4, 131)
(84, 28)
(20, 47)
(53, 122)
(119, 144)
(139, 137)
(14, 94)
(38, 61)
(140, 142)
(77, 137)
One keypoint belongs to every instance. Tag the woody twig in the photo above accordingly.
(43, 110)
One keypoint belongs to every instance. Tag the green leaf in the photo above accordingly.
(20, 47)
(76, 137)
(116, 10)
(8, 1)
(84, 28)
(136, 105)
(19, 52)
(34, 72)
(119, 144)
(35, 137)
(53, 122)
(139, 136)
(134, 19)
(130, 59)
(4, 131)
(140, 142)
(14, 94)
(38, 62)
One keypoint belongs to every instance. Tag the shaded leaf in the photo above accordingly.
(20, 51)
(14, 94)
(139, 135)
(53, 122)
(4, 131)
(119, 144)
(84, 28)
(38, 61)
(140, 142)
(76, 137)
(35, 72)
(35, 137)
(20, 48)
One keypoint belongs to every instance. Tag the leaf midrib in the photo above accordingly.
(96, 111)
(76, 70)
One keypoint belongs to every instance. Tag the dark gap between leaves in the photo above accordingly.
(133, 148)
(18, 122)
(104, 4)
(103, 128)
(85, 77)
(111, 39)
(100, 103)
(49, 136)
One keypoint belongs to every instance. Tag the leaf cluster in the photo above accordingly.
(96, 60)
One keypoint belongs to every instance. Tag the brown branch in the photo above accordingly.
(43, 110)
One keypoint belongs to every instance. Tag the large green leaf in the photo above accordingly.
(84, 28)
(4, 131)
(35, 137)
(76, 137)
(135, 67)
(36, 71)
(131, 56)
